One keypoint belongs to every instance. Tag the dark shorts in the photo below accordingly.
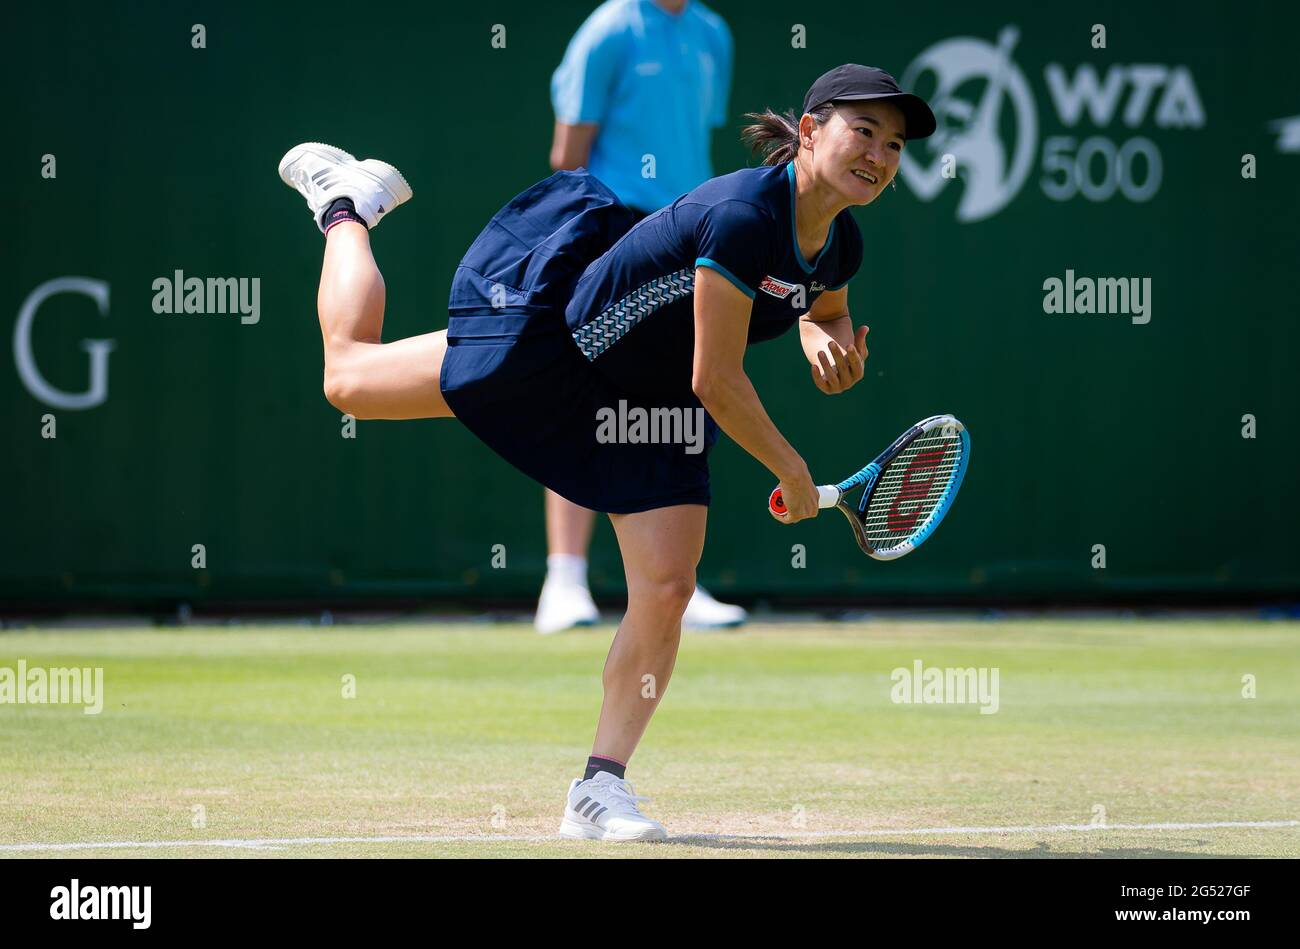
(516, 379)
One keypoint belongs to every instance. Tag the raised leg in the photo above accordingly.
(364, 377)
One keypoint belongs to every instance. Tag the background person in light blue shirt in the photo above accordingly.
(643, 78)
(642, 85)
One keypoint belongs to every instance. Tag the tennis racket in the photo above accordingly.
(906, 490)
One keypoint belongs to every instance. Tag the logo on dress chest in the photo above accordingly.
(777, 288)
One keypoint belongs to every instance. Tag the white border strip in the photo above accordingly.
(277, 843)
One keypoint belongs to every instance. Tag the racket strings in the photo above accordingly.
(911, 488)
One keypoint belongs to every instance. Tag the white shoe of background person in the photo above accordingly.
(322, 174)
(565, 601)
(605, 808)
(704, 612)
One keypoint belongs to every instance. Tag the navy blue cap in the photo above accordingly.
(854, 83)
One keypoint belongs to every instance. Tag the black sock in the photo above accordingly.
(340, 209)
(596, 764)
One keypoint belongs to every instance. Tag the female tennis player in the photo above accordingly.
(563, 315)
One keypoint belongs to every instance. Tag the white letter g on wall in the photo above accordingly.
(36, 384)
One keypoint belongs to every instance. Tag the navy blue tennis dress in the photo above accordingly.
(562, 309)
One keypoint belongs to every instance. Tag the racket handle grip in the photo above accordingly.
(827, 496)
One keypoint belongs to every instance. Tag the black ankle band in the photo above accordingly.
(596, 764)
(340, 209)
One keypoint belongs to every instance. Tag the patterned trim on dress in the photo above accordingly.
(618, 318)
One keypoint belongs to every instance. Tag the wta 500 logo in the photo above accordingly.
(988, 123)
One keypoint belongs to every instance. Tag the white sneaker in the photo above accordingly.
(704, 612)
(605, 808)
(323, 173)
(563, 605)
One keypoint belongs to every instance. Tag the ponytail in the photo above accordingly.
(775, 137)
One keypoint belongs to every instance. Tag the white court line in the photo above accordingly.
(276, 843)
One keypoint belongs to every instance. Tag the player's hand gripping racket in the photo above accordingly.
(906, 491)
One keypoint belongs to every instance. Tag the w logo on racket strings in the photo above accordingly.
(916, 486)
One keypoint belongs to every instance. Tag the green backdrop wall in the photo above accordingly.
(1087, 430)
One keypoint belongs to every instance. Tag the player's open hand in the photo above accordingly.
(839, 370)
